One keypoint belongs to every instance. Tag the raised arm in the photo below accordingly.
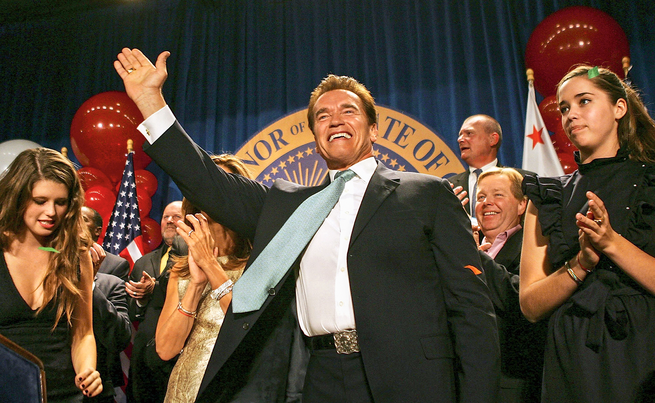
(230, 199)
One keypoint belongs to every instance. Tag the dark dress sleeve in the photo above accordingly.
(640, 230)
(547, 195)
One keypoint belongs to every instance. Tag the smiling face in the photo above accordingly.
(46, 209)
(477, 145)
(589, 118)
(342, 132)
(497, 208)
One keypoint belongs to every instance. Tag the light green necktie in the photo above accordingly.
(250, 292)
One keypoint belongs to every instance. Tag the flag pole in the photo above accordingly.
(539, 154)
(530, 74)
(130, 145)
(64, 152)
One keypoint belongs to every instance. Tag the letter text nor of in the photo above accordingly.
(276, 137)
(297, 129)
(437, 161)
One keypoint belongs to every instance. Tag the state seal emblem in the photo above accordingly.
(285, 149)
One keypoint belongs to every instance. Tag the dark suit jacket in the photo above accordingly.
(421, 312)
(112, 330)
(115, 265)
(521, 342)
(150, 263)
(148, 378)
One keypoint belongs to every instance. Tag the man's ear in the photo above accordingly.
(523, 204)
(493, 139)
(373, 132)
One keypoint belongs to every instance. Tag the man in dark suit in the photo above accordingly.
(149, 267)
(499, 210)
(148, 378)
(112, 331)
(393, 269)
(112, 264)
(479, 141)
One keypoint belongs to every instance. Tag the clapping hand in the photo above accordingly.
(202, 251)
(595, 231)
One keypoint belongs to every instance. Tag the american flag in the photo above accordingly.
(123, 236)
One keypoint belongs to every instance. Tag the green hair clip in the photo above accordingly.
(593, 72)
(49, 249)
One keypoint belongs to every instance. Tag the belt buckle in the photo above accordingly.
(346, 342)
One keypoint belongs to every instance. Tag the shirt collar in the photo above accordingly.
(364, 169)
(504, 236)
(486, 167)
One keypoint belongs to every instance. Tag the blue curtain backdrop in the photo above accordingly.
(237, 66)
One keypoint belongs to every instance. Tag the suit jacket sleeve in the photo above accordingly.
(142, 264)
(503, 285)
(111, 324)
(115, 265)
(230, 199)
(470, 310)
(122, 271)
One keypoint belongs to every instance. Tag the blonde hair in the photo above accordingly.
(514, 176)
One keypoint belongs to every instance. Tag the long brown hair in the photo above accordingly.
(242, 246)
(70, 238)
(636, 131)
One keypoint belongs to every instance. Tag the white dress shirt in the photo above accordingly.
(323, 288)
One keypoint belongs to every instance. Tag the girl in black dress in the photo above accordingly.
(46, 272)
(588, 247)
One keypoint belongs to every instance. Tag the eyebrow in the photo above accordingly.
(318, 112)
(578, 96)
(341, 106)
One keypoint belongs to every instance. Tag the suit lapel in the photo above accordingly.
(511, 251)
(383, 182)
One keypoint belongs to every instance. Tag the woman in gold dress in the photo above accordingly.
(198, 293)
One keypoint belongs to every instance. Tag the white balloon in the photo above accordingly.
(11, 148)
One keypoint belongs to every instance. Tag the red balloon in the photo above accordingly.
(562, 143)
(100, 130)
(147, 180)
(151, 232)
(101, 199)
(570, 36)
(90, 177)
(550, 113)
(145, 203)
(568, 162)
